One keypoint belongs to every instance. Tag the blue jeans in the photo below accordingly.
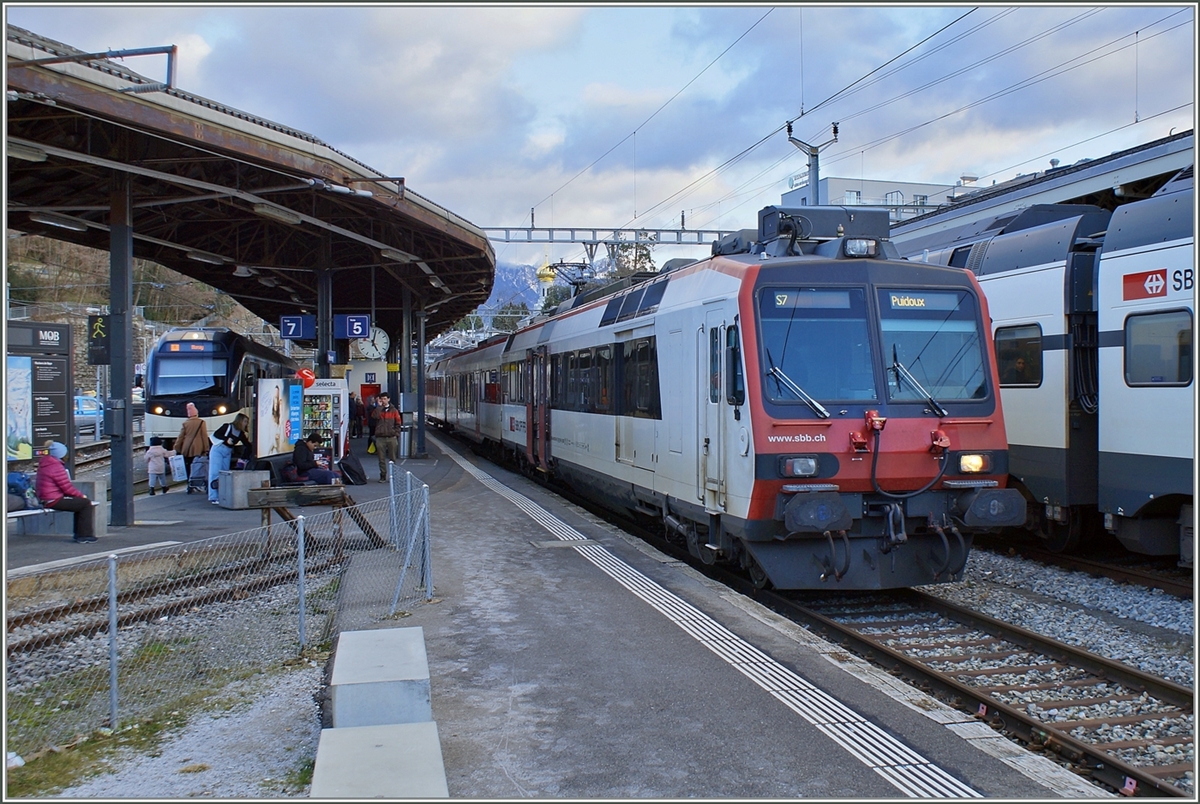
(219, 458)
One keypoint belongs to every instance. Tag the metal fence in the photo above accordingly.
(104, 643)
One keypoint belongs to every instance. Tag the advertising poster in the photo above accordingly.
(277, 417)
(19, 401)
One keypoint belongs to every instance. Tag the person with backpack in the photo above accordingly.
(56, 491)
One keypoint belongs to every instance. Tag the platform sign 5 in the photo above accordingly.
(298, 327)
(351, 326)
(1145, 285)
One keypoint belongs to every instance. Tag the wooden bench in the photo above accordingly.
(279, 499)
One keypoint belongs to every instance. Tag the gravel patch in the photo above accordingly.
(251, 751)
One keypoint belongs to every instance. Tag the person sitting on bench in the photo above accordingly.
(306, 464)
(55, 490)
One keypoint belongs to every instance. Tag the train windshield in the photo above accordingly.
(193, 375)
(931, 345)
(816, 343)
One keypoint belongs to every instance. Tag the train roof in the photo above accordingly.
(1164, 217)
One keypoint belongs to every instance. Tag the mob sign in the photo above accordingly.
(38, 388)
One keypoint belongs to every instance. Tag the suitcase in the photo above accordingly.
(198, 479)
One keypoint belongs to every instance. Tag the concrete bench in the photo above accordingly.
(380, 676)
(48, 522)
(398, 760)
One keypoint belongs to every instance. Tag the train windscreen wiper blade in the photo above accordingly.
(901, 371)
(786, 382)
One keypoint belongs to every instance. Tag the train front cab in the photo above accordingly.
(876, 433)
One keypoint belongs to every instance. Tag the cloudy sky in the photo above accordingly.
(634, 116)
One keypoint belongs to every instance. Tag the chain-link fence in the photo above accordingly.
(105, 642)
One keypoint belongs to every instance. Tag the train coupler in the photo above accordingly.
(893, 520)
(827, 566)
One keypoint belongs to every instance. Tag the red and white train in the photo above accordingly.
(801, 404)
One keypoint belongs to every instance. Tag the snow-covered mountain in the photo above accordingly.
(514, 284)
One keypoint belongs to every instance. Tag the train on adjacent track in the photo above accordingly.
(802, 404)
(215, 368)
(1093, 322)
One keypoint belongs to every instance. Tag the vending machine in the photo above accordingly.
(325, 406)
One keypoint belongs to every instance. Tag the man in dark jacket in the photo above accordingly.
(306, 464)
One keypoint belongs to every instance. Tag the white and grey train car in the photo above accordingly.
(1093, 318)
(742, 402)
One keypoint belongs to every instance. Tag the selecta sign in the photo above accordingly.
(1146, 285)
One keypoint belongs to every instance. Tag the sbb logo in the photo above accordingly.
(1146, 285)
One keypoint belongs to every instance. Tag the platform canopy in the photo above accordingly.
(248, 206)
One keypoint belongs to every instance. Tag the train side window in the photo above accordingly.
(1019, 354)
(735, 392)
(1158, 348)
(640, 380)
(604, 377)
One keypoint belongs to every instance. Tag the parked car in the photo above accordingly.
(85, 414)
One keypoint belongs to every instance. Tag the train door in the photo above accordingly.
(711, 398)
(537, 409)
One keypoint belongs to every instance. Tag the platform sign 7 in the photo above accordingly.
(298, 327)
(351, 326)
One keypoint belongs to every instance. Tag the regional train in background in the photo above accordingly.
(215, 368)
(1093, 318)
(802, 404)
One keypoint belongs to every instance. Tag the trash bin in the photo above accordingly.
(406, 441)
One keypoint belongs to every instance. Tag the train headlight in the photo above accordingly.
(220, 409)
(974, 463)
(798, 466)
(158, 410)
(860, 247)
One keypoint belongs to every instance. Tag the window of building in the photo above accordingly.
(852, 197)
(921, 200)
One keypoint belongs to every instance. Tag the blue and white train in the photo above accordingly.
(1093, 320)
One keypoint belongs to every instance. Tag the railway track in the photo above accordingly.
(1128, 729)
(219, 574)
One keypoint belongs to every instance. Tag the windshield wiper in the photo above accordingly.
(901, 371)
(786, 381)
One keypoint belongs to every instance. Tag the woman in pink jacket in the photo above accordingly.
(55, 490)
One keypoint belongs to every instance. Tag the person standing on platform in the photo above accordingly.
(387, 422)
(372, 406)
(156, 464)
(55, 490)
(355, 412)
(228, 435)
(306, 464)
(192, 440)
